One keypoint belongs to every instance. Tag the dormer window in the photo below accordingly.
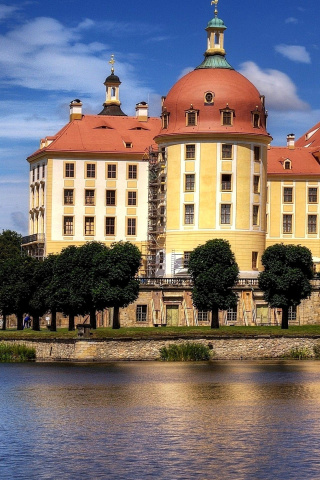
(165, 120)
(287, 165)
(191, 117)
(227, 115)
(256, 119)
(128, 145)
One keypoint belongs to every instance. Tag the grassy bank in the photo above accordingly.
(169, 332)
(16, 353)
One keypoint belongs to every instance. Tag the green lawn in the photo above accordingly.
(153, 332)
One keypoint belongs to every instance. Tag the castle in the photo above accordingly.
(205, 169)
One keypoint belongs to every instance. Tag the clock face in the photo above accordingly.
(209, 97)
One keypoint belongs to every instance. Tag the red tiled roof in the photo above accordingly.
(311, 138)
(99, 134)
(230, 88)
(303, 161)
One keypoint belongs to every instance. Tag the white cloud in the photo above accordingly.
(292, 20)
(282, 123)
(6, 11)
(43, 54)
(297, 53)
(185, 71)
(278, 88)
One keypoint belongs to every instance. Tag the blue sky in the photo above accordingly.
(54, 51)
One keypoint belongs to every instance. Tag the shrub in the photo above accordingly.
(299, 353)
(316, 350)
(185, 352)
(16, 353)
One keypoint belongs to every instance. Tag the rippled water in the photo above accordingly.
(139, 421)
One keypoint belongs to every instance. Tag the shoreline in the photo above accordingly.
(148, 349)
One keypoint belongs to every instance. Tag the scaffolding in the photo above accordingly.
(156, 211)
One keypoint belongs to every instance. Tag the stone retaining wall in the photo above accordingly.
(148, 349)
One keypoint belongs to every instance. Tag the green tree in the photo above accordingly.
(116, 284)
(16, 284)
(214, 272)
(66, 272)
(285, 280)
(10, 244)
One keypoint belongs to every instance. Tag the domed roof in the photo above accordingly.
(229, 89)
(112, 79)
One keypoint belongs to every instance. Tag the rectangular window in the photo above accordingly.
(110, 225)
(111, 171)
(254, 260)
(43, 170)
(226, 182)
(287, 223)
(33, 174)
(287, 194)
(191, 119)
(225, 214)
(312, 223)
(141, 313)
(313, 195)
(186, 258)
(68, 196)
(189, 182)
(232, 314)
(132, 198)
(292, 313)
(203, 316)
(190, 152)
(226, 118)
(67, 225)
(69, 170)
(256, 120)
(256, 153)
(131, 226)
(110, 197)
(89, 226)
(189, 214)
(256, 184)
(132, 171)
(91, 170)
(226, 151)
(255, 215)
(38, 172)
(89, 197)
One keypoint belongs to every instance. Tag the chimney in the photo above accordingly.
(290, 141)
(75, 110)
(142, 111)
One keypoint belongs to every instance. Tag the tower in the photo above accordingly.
(215, 137)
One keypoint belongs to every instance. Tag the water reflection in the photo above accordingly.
(246, 420)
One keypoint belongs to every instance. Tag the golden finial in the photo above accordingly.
(215, 3)
(112, 61)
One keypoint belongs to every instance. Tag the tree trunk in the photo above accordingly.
(71, 322)
(36, 322)
(215, 318)
(93, 320)
(285, 315)
(19, 321)
(116, 319)
(4, 321)
(53, 326)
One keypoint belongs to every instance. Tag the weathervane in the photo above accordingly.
(112, 61)
(215, 3)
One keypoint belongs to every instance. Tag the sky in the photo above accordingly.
(52, 52)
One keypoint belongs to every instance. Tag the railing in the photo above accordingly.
(35, 238)
(168, 281)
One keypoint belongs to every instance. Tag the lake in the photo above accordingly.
(153, 420)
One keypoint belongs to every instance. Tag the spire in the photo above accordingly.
(215, 53)
(112, 103)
